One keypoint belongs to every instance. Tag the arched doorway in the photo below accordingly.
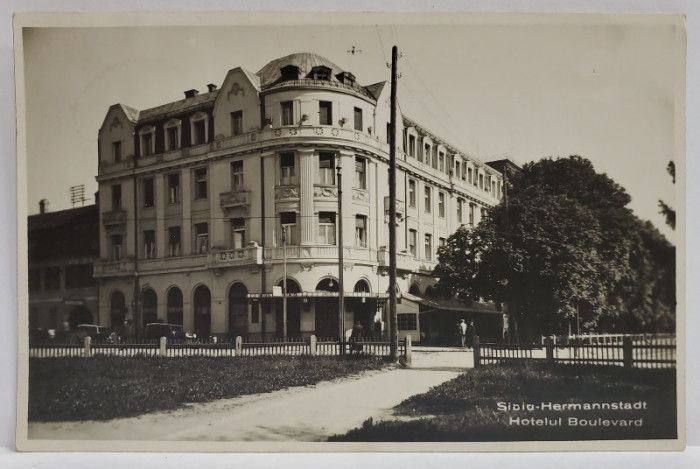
(327, 310)
(79, 315)
(414, 290)
(174, 306)
(364, 309)
(149, 308)
(117, 309)
(237, 310)
(202, 311)
(293, 311)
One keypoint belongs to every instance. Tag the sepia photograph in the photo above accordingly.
(350, 232)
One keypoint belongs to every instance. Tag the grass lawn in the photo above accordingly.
(475, 406)
(102, 388)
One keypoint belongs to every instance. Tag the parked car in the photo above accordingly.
(95, 332)
(156, 330)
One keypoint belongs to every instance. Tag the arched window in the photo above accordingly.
(174, 306)
(202, 311)
(293, 311)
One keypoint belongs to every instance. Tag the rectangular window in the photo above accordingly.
(287, 169)
(326, 169)
(360, 172)
(201, 238)
(441, 243)
(200, 183)
(428, 199)
(199, 129)
(487, 187)
(469, 175)
(441, 204)
(326, 228)
(237, 123)
(288, 223)
(174, 188)
(148, 193)
(441, 162)
(237, 175)
(116, 244)
(116, 197)
(238, 233)
(171, 138)
(117, 151)
(428, 247)
(426, 153)
(288, 113)
(388, 132)
(358, 118)
(407, 321)
(481, 181)
(34, 280)
(412, 242)
(472, 209)
(149, 244)
(255, 312)
(411, 193)
(174, 241)
(325, 113)
(147, 143)
(458, 170)
(52, 278)
(361, 231)
(412, 146)
(460, 211)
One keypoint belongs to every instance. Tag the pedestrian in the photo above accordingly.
(356, 336)
(463, 332)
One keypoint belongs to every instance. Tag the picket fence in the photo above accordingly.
(630, 351)
(213, 348)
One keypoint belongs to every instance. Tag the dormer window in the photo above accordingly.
(320, 73)
(346, 77)
(198, 128)
(173, 134)
(290, 72)
(148, 140)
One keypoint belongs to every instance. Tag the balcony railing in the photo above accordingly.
(235, 199)
(320, 252)
(233, 257)
(113, 268)
(114, 218)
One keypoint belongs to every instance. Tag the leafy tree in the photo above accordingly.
(565, 246)
(666, 210)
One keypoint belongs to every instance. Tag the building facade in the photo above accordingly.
(204, 201)
(63, 247)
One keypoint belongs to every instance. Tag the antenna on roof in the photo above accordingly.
(354, 50)
(77, 194)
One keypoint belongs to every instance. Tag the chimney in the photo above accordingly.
(212, 87)
(191, 93)
(43, 206)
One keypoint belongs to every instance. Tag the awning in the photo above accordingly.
(452, 304)
(322, 294)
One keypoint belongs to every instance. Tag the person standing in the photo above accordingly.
(463, 333)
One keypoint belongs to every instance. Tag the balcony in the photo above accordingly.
(114, 218)
(320, 252)
(123, 267)
(404, 260)
(251, 255)
(235, 199)
(173, 264)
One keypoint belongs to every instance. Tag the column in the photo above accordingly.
(307, 177)
(186, 233)
(161, 235)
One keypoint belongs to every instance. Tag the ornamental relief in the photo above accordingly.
(286, 192)
(326, 191)
(360, 195)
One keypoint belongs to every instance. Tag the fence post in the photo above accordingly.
(86, 345)
(627, 352)
(549, 346)
(239, 345)
(163, 346)
(312, 345)
(477, 352)
(409, 353)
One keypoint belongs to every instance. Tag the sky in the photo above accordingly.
(498, 88)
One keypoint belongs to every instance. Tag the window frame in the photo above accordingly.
(116, 197)
(174, 248)
(149, 252)
(428, 246)
(360, 175)
(328, 106)
(201, 183)
(116, 151)
(287, 113)
(428, 199)
(412, 188)
(441, 204)
(413, 242)
(237, 118)
(361, 232)
(327, 228)
(201, 238)
(238, 227)
(176, 125)
(324, 174)
(237, 176)
(357, 123)
(195, 120)
(149, 196)
(174, 197)
(287, 171)
(147, 140)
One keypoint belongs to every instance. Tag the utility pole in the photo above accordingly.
(393, 319)
(341, 285)
(284, 284)
(136, 313)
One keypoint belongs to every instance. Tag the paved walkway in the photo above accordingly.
(298, 414)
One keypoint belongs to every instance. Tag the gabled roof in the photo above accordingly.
(306, 61)
(187, 104)
(131, 113)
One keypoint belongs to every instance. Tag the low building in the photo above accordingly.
(206, 202)
(63, 247)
